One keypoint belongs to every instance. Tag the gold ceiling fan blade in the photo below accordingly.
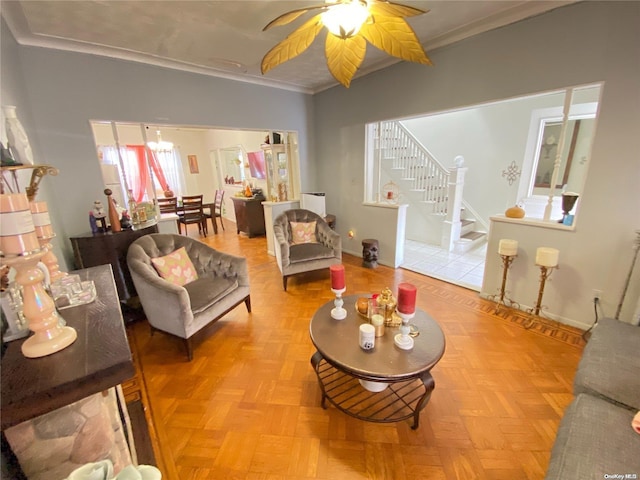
(289, 17)
(344, 56)
(394, 36)
(292, 46)
(391, 9)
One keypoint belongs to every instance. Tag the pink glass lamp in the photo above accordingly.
(20, 249)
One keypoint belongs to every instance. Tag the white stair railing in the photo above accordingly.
(423, 172)
(398, 150)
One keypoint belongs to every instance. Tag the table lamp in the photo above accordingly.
(20, 249)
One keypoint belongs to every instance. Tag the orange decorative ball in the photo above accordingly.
(514, 212)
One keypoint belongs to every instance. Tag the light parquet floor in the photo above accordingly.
(248, 405)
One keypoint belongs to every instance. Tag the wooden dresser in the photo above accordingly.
(249, 215)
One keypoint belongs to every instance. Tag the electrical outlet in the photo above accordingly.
(597, 294)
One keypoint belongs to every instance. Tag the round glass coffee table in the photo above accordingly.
(398, 382)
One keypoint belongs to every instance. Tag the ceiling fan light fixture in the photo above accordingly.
(345, 19)
(352, 24)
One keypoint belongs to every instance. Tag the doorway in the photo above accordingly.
(493, 143)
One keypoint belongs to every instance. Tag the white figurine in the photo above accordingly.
(16, 136)
(98, 210)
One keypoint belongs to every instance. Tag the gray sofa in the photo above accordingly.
(595, 439)
(222, 284)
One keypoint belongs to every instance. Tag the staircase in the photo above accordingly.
(434, 193)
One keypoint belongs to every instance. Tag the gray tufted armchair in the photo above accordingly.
(183, 311)
(298, 258)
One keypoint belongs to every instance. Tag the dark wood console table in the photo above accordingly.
(99, 359)
(91, 250)
(249, 215)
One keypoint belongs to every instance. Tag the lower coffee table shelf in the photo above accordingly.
(397, 402)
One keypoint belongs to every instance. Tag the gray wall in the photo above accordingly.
(582, 43)
(57, 93)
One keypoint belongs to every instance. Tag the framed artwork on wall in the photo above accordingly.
(193, 164)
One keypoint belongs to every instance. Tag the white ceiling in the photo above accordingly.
(225, 38)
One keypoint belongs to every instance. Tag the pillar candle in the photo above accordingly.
(337, 276)
(17, 232)
(547, 257)
(407, 298)
(508, 247)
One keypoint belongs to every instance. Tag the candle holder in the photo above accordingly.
(545, 272)
(338, 313)
(403, 339)
(50, 335)
(501, 298)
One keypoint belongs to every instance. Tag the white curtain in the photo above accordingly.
(170, 163)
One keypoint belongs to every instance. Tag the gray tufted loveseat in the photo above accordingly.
(222, 284)
(294, 259)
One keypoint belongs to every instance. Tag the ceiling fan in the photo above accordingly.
(350, 24)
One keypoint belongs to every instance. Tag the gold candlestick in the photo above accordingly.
(501, 298)
(545, 272)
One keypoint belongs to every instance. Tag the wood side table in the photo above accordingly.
(340, 364)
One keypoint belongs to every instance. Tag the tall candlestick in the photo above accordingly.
(407, 298)
(337, 277)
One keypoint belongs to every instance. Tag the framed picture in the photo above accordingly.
(193, 164)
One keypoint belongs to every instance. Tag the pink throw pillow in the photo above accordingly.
(176, 267)
(303, 232)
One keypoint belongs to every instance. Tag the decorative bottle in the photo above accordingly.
(133, 209)
(114, 218)
(17, 137)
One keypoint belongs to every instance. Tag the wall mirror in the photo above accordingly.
(233, 163)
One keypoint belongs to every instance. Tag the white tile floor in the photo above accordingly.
(465, 269)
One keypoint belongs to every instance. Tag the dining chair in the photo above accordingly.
(216, 211)
(168, 205)
(191, 212)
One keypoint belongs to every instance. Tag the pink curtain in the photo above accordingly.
(141, 178)
(157, 170)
